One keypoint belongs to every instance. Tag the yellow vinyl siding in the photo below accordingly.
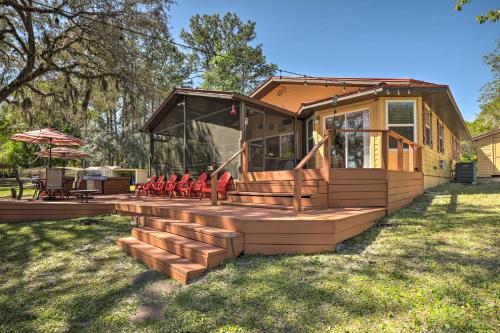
(433, 174)
(291, 96)
(488, 155)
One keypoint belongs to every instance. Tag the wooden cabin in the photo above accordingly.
(314, 162)
(487, 147)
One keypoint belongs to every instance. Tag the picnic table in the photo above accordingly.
(84, 194)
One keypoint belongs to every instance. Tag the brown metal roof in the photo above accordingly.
(173, 99)
(439, 97)
(274, 81)
(484, 135)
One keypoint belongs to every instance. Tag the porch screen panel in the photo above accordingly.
(212, 138)
(280, 141)
(168, 142)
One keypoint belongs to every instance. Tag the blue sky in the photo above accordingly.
(420, 39)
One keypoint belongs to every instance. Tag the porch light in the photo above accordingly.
(334, 100)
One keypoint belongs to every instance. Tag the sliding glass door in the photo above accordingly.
(350, 150)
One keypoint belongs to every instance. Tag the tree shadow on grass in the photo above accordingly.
(69, 269)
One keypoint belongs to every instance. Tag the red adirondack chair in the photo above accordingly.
(169, 186)
(158, 186)
(180, 184)
(221, 185)
(194, 187)
(144, 187)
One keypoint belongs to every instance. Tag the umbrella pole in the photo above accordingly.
(50, 153)
(64, 161)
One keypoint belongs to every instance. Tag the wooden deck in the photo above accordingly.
(185, 237)
(265, 231)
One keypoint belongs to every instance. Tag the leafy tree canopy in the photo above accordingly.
(223, 54)
(488, 118)
(493, 15)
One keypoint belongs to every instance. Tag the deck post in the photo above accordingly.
(327, 157)
(400, 154)
(411, 158)
(244, 158)
(297, 190)
(213, 192)
(151, 152)
(184, 134)
(385, 150)
(418, 159)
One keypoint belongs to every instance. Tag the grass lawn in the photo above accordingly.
(432, 267)
(5, 192)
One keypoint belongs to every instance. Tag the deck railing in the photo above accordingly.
(244, 168)
(325, 142)
(414, 157)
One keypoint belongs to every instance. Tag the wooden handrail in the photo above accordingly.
(297, 176)
(213, 175)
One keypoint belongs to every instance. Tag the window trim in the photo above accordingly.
(361, 109)
(440, 136)
(387, 101)
(429, 116)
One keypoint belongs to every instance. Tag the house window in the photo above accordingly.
(440, 128)
(309, 134)
(428, 127)
(350, 149)
(401, 119)
(280, 146)
(280, 152)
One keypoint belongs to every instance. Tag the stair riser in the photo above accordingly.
(199, 236)
(154, 264)
(208, 261)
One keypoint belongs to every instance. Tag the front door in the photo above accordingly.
(254, 135)
(350, 150)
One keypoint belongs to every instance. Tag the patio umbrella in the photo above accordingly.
(63, 153)
(48, 136)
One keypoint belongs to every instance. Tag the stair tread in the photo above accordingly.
(223, 233)
(267, 194)
(177, 263)
(194, 245)
(257, 205)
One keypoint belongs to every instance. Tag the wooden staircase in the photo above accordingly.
(274, 189)
(182, 250)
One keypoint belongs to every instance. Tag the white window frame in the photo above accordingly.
(415, 138)
(309, 135)
(367, 156)
(440, 138)
(429, 126)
